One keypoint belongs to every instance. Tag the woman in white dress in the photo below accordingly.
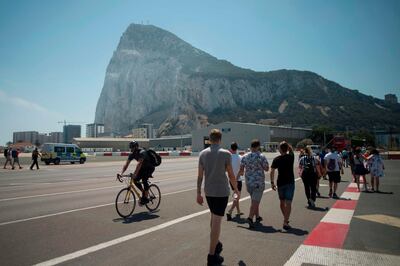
(376, 168)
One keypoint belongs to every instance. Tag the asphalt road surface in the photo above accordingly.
(65, 214)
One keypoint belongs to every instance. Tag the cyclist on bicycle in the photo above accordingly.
(144, 169)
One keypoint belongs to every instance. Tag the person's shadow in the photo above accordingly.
(137, 217)
(294, 231)
(383, 192)
(258, 227)
(318, 209)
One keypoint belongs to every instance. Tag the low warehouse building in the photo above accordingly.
(244, 133)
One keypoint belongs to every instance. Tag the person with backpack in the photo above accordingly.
(35, 156)
(147, 161)
(333, 166)
(309, 169)
(7, 155)
(14, 155)
(345, 157)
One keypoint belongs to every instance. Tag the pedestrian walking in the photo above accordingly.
(359, 169)
(7, 155)
(214, 163)
(322, 160)
(333, 166)
(254, 164)
(376, 167)
(309, 174)
(345, 158)
(35, 156)
(284, 163)
(236, 159)
(14, 155)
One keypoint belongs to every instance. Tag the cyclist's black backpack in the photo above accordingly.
(155, 158)
(308, 167)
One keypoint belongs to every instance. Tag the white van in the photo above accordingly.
(61, 152)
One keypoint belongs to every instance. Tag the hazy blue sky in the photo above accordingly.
(53, 54)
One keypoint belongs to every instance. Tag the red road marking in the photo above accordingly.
(329, 235)
(345, 204)
(352, 189)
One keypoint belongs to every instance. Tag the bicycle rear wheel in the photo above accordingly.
(125, 202)
(154, 198)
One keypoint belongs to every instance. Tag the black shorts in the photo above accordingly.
(145, 173)
(239, 185)
(217, 205)
(334, 177)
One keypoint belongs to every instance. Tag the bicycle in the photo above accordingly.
(125, 202)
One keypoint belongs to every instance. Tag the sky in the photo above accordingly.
(54, 54)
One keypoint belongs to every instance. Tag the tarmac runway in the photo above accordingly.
(65, 214)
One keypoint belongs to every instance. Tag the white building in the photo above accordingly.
(244, 133)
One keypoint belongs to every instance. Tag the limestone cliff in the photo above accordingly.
(155, 77)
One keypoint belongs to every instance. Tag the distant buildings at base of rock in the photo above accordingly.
(94, 130)
(144, 131)
(71, 132)
(37, 138)
(391, 98)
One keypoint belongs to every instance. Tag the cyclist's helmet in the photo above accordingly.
(133, 145)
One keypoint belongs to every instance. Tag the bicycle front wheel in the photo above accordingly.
(125, 202)
(154, 198)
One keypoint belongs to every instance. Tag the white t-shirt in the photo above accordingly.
(334, 156)
(236, 158)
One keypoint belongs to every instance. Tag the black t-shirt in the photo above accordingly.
(284, 164)
(139, 154)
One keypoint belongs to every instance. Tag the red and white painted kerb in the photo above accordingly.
(324, 245)
(162, 154)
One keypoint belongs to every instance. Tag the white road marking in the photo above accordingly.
(80, 191)
(119, 240)
(338, 216)
(80, 209)
(331, 256)
(351, 195)
(353, 185)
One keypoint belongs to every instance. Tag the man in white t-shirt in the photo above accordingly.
(333, 166)
(236, 159)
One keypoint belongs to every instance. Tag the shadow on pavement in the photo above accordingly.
(258, 227)
(137, 217)
(241, 263)
(294, 231)
(383, 192)
(318, 209)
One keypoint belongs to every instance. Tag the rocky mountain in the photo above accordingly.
(155, 77)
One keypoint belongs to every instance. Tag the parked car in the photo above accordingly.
(60, 152)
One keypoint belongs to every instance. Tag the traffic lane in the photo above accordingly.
(56, 180)
(376, 235)
(38, 240)
(27, 208)
(186, 243)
